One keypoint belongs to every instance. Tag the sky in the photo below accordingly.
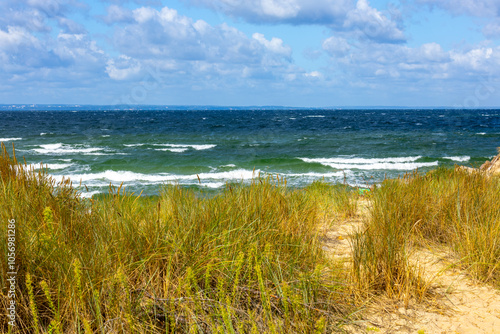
(298, 53)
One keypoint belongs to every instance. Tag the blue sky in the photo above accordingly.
(309, 53)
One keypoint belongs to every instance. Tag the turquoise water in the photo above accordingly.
(147, 148)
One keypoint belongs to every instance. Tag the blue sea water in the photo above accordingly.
(207, 148)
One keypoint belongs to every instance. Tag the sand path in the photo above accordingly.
(464, 305)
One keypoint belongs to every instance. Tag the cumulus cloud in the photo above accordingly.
(164, 34)
(492, 29)
(79, 49)
(280, 11)
(336, 46)
(21, 50)
(483, 8)
(117, 14)
(373, 24)
(38, 15)
(426, 62)
(340, 15)
(122, 68)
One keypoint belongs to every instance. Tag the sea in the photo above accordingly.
(206, 148)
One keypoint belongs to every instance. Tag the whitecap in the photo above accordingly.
(56, 166)
(67, 149)
(398, 163)
(133, 145)
(104, 178)
(89, 194)
(458, 159)
(318, 175)
(9, 139)
(175, 150)
(196, 147)
(214, 185)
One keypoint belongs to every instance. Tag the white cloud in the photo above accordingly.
(164, 34)
(358, 18)
(122, 68)
(117, 14)
(492, 29)
(480, 8)
(337, 46)
(275, 45)
(79, 49)
(280, 8)
(373, 24)
(16, 37)
(21, 51)
(280, 11)
(479, 59)
(313, 74)
(419, 64)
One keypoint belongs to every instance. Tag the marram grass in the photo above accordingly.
(248, 260)
(453, 208)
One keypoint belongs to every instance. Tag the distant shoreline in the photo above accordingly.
(134, 107)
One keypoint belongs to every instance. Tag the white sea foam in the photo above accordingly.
(57, 166)
(176, 147)
(132, 177)
(9, 139)
(458, 159)
(214, 185)
(133, 145)
(89, 194)
(402, 163)
(481, 133)
(68, 149)
(317, 175)
(196, 147)
(175, 150)
(315, 116)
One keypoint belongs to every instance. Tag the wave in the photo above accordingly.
(175, 150)
(315, 116)
(9, 139)
(68, 149)
(196, 147)
(133, 145)
(57, 166)
(458, 159)
(316, 175)
(89, 194)
(178, 148)
(402, 163)
(129, 176)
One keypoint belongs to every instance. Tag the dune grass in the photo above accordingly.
(448, 207)
(248, 260)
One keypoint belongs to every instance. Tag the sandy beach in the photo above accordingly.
(461, 305)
